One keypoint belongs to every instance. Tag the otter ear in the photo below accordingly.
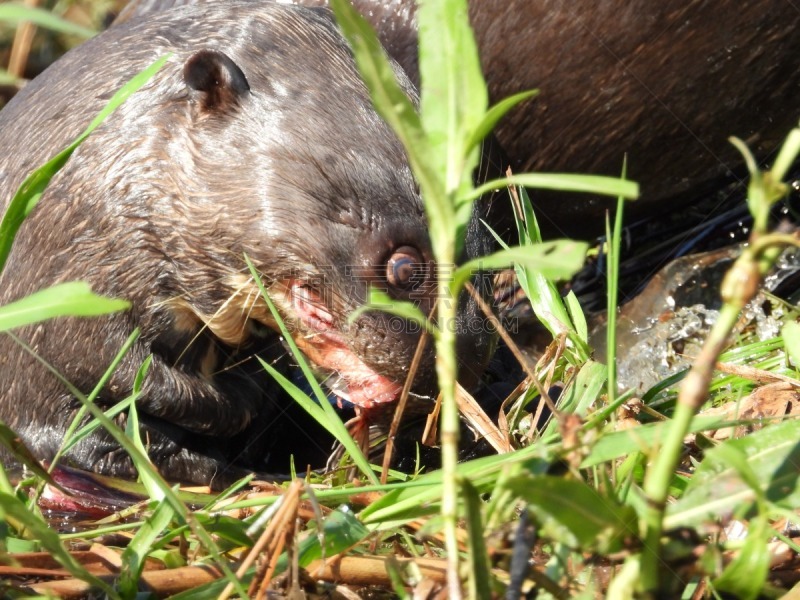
(218, 81)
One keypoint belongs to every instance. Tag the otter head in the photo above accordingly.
(306, 179)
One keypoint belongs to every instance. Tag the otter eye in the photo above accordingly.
(405, 268)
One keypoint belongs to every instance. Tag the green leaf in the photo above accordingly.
(419, 497)
(626, 580)
(380, 300)
(746, 575)
(536, 266)
(613, 253)
(12, 442)
(718, 489)
(14, 14)
(787, 155)
(310, 406)
(557, 259)
(135, 554)
(566, 182)
(226, 528)
(557, 314)
(393, 105)
(71, 436)
(172, 559)
(497, 112)
(15, 545)
(454, 98)
(575, 514)
(66, 299)
(323, 412)
(170, 496)
(616, 444)
(791, 338)
(581, 393)
(146, 473)
(341, 529)
(577, 316)
(545, 298)
(479, 571)
(30, 192)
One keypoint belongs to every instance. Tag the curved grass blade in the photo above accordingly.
(557, 259)
(14, 13)
(21, 453)
(31, 190)
(566, 182)
(322, 411)
(66, 299)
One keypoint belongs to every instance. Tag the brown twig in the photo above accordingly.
(270, 538)
(21, 47)
(401, 406)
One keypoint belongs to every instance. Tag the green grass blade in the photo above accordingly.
(580, 394)
(421, 497)
(14, 13)
(31, 190)
(454, 98)
(537, 266)
(7, 78)
(67, 299)
(170, 497)
(479, 566)
(11, 441)
(133, 432)
(559, 315)
(721, 486)
(497, 112)
(577, 317)
(617, 444)
(787, 155)
(576, 514)
(791, 338)
(135, 554)
(557, 259)
(566, 182)
(70, 436)
(143, 463)
(746, 574)
(613, 254)
(397, 110)
(342, 530)
(318, 411)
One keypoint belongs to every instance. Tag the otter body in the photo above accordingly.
(665, 83)
(257, 137)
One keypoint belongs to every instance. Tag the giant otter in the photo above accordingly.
(258, 137)
(665, 82)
